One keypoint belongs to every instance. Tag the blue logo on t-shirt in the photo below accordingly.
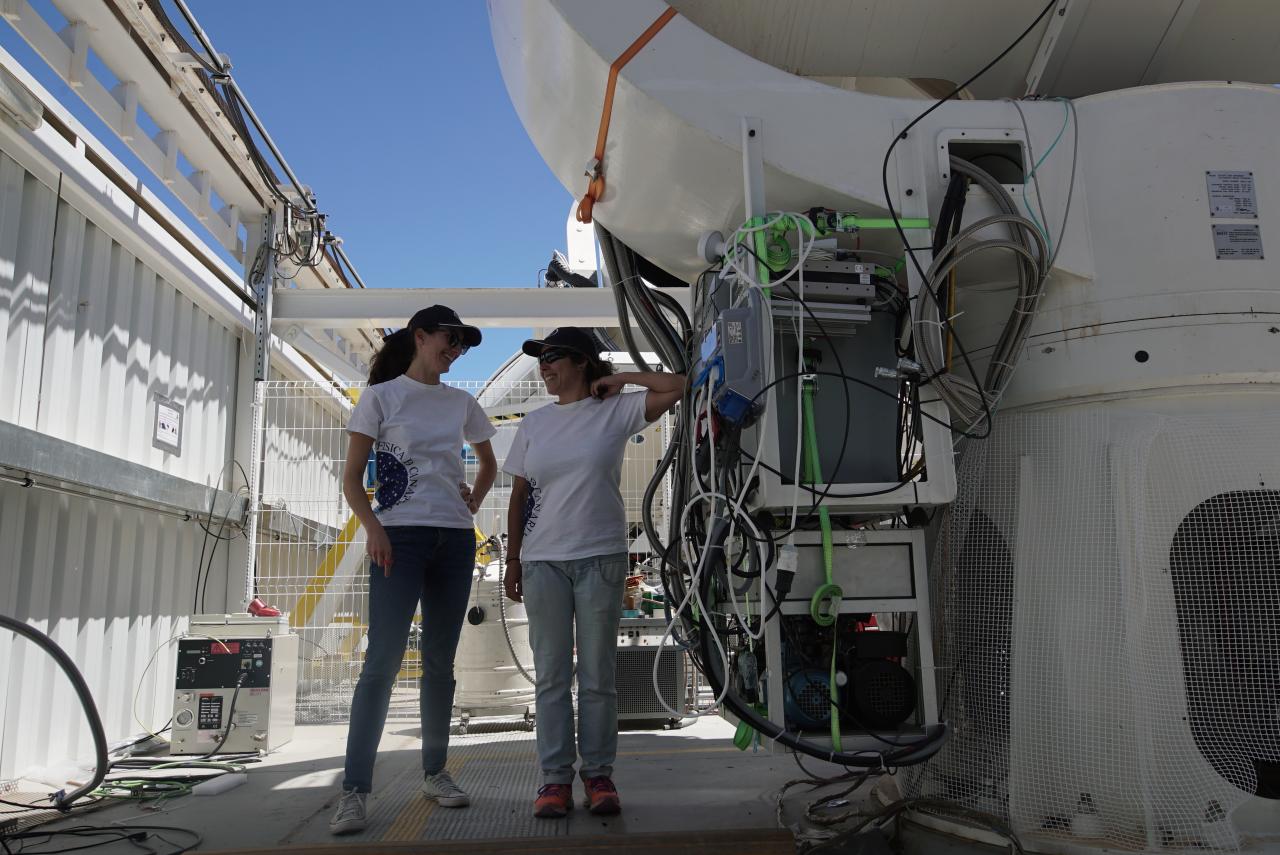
(532, 506)
(397, 476)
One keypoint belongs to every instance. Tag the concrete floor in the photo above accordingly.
(685, 780)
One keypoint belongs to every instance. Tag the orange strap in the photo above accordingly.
(595, 170)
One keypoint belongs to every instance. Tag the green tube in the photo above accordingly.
(883, 222)
(761, 241)
(830, 592)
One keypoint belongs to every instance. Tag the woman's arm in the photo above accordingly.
(378, 546)
(665, 390)
(515, 537)
(474, 494)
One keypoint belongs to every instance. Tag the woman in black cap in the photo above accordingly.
(421, 539)
(567, 548)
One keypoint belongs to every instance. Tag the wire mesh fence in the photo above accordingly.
(311, 559)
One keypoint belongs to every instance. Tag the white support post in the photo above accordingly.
(203, 182)
(255, 501)
(127, 96)
(168, 143)
(76, 37)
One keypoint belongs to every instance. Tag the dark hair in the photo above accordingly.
(394, 357)
(596, 368)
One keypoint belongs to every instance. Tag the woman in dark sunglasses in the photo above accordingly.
(420, 538)
(567, 552)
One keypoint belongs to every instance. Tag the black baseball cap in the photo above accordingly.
(442, 317)
(568, 338)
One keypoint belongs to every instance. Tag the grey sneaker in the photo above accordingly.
(349, 817)
(442, 788)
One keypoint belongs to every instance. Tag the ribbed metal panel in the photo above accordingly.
(110, 584)
(26, 235)
(90, 335)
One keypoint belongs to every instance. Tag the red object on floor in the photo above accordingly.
(257, 608)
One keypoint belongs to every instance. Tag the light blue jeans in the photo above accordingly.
(558, 594)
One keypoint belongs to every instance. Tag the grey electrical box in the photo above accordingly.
(869, 415)
(732, 360)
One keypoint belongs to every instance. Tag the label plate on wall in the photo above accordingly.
(1232, 194)
(1237, 241)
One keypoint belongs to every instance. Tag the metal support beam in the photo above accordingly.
(324, 351)
(56, 462)
(1059, 36)
(580, 243)
(262, 283)
(1169, 41)
(484, 307)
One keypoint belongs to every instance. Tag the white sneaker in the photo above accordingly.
(444, 790)
(349, 817)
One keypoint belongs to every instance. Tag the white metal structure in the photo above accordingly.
(127, 363)
(107, 302)
(1109, 568)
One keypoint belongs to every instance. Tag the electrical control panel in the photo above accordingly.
(235, 685)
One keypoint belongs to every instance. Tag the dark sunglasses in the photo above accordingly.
(455, 339)
(552, 354)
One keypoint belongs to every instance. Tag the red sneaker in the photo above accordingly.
(554, 801)
(602, 796)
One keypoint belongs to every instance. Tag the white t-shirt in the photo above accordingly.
(571, 455)
(418, 431)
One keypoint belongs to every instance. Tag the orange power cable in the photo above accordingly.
(595, 169)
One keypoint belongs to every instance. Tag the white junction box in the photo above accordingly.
(236, 685)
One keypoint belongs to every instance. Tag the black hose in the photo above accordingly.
(614, 273)
(61, 799)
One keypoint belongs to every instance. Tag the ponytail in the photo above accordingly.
(393, 358)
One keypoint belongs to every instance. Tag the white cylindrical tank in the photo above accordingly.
(494, 663)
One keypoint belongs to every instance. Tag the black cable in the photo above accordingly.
(231, 712)
(63, 801)
(135, 834)
(897, 222)
(198, 595)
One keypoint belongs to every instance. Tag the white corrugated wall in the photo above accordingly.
(110, 584)
(89, 335)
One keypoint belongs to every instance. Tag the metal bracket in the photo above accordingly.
(263, 280)
(752, 167)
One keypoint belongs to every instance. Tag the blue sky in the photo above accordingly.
(401, 124)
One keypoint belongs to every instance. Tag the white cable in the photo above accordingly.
(733, 595)
(143, 676)
(696, 595)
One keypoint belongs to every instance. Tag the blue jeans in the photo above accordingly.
(432, 565)
(557, 594)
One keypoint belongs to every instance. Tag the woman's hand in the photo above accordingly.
(607, 386)
(513, 581)
(464, 490)
(378, 546)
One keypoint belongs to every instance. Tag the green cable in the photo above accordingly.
(142, 789)
(1044, 229)
(824, 606)
(761, 241)
(884, 222)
